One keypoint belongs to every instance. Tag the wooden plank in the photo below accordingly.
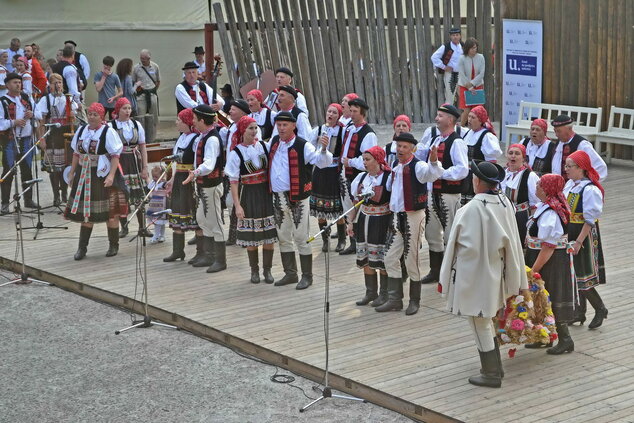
(488, 53)
(239, 50)
(344, 45)
(383, 62)
(319, 73)
(256, 50)
(355, 51)
(331, 51)
(265, 51)
(292, 33)
(271, 35)
(499, 62)
(227, 51)
(471, 23)
(406, 85)
(425, 74)
(282, 33)
(414, 66)
(457, 14)
(368, 67)
(438, 31)
(237, 17)
(395, 71)
(432, 94)
(307, 61)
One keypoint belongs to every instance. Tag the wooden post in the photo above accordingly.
(226, 45)
(209, 50)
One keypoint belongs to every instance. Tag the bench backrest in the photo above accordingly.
(588, 118)
(621, 120)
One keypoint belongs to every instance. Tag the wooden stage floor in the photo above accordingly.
(416, 365)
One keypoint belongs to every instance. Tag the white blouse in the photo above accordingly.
(549, 228)
(114, 146)
(512, 181)
(253, 153)
(127, 128)
(490, 144)
(368, 183)
(592, 198)
(58, 107)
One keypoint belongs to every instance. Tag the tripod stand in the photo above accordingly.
(141, 237)
(24, 277)
(327, 391)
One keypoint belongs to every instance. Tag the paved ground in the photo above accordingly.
(61, 362)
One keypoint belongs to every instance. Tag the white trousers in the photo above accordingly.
(449, 93)
(292, 221)
(209, 213)
(441, 216)
(408, 228)
(483, 332)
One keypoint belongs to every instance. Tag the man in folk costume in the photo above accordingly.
(539, 148)
(16, 137)
(484, 265)
(446, 59)
(569, 142)
(358, 138)
(292, 159)
(408, 201)
(72, 81)
(192, 92)
(209, 159)
(446, 191)
(284, 76)
(286, 102)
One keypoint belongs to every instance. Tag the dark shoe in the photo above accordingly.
(537, 345)
(306, 262)
(289, 263)
(178, 247)
(565, 343)
(580, 318)
(146, 233)
(30, 204)
(435, 262)
(220, 261)
(352, 248)
(200, 250)
(371, 286)
(64, 194)
(324, 237)
(84, 238)
(382, 298)
(267, 263)
(394, 296)
(253, 263)
(5, 209)
(113, 241)
(600, 312)
(124, 228)
(56, 201)
(192, 241)
(599, 315)
(341, 237)
(414, 298)
(208, 255)
(499, 357)
(490, 374)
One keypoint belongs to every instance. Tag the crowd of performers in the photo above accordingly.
(273, 172)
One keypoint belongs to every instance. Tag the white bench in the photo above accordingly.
(587, 120)
(620, 130)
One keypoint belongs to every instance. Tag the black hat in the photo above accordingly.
(406, 137)
(242, 105)
(489, 172)
(287, 71)
(204, 110)
(451, 109)
(292, 91)
(199, 50)
(454, 30)
(285, 117)
(227, 88)
(70, 42)
(359, 102)
(190, 65)
(561, 120)
(12, 75)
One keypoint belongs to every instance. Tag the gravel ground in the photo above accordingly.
(62, 362)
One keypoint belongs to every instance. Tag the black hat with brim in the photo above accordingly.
(489, 172)
(285, 117)
(451, 109)
(561, 120)
(406, 137)
(70, 42)
(12, 75)
(292, 91)
(199, 50)
(204, 110)
(454, 31)
(242, 105)
(285, 70)
(190, 65)
(359, 102)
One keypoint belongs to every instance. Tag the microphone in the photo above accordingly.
(161, 212)
(177, 157)
(53, 125)
(366, 195)
(33, 181)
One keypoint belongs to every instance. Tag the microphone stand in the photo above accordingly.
(147, 320)
(327, 391)
(24, 277)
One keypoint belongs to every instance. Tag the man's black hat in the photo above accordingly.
(406, 137)
(292, 91)
(242, 105)
(70, 42)
(561, 120)
(454, 30)
(199, 50)
(451, 109)
(12, 75)
(204, 110)
(489, 172)
(285, 70)
(285, 117)
(190, 65)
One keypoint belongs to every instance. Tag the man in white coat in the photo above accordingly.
(483, 265)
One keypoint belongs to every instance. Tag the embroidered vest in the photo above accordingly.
(135, 133)
(567, 150)
(267, 128)
(216, 175)
(188, 152)
(447, 54)
(192, 94)
(381, 194)
(247, 168)
(542, 165)
(9, 109)
(444, 157)
(414, 191)
(354, 149)
(300, 171)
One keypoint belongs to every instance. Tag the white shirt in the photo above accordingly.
(345, 121)
(70, 74)
(436, 58)
(511, 182)
(226, 135)
(426, 139)
(83, 61)
(597, 162)
(3, 75)
(592, 198)
(127, 128)
(27, 83)
(332, 132)
(260, 117)
(58, 107)
(12, 54)
(280, 175)
(549, 227)
(368, 184)
(300, 101)
(459, 157)
(186, 101)
(20, 110)
(425, 172)
(490, 144)
(253, 153)
(113, 146)
(369, 141)
(183, 142)
(537, 151)
(303, 127)
(210, 154)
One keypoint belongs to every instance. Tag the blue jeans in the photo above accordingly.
(9, 157)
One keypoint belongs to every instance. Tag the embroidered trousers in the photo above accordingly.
(442, 211)
(483, 332)
(292, 221)
(408, 228)
(209, 212)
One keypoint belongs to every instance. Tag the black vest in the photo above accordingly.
(246, 168)
(458, 130)
(188, 88)
(474, 153)
(216, 175)
(390, 154)
(365, 130)
(448, 187)
(301, 183)
(542, 165)
(414, 191)
(59, 68)
(80, 70)
(383, 195)
(187, 153)
(113, 122)
(267, 128)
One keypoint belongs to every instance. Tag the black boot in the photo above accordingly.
(142, 229)
(341, 237)
(54, 178)
(233, 228)
(200, 250)
(208, 256)
(124, 227)
(306, 262)
(253, 263)
(192, 241)
(267, 263)
(5, 193)
(600, 312)
(394, 296)
(565, 343)
(324, 237)
(491, 371)
(382, 298)
(499, 357)
(63, 187)
(352, 248)
(289, 264)
(580, 311)
(537, 345)
(414, 298)
(178, 247)
(371, 286)
(435, 261)
(28, 199)
(113, 241)
(84, 237)
(220, 260)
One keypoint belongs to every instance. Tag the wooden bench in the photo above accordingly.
(587, 120)
(620, 131)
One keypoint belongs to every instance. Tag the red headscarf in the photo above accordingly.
(403, 118)
(379, 155)
(259, 96)
(553, 186)
(582, 160)
(121, 101)
(541, 123)
(336, 106)
(187, 117)
(98, 108)
(242, 125)
(519, 147)
(483, 117)
(351, 96)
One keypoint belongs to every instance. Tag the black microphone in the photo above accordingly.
(161, 212)
(33, 181)
(54, 125)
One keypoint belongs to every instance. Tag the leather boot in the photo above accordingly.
(28, 198)
(200, 250)
(63, 187)
(178, 247)
(491, 371)
(537, 345)
(54, 179)
(84, 238)
(414, 298)
(580, 311)
(324, 237)
(124, 227)
(341, 237)
(208, 255)
(435, 261)
(113, 242)
(233, 228)
(352, 248)
(600, 312)
(565, 343)
(220, 260)
(371, 286)
(253, 263)
(267, 264)
(290, 269)
(499, 357)
(394, 296)
(306, 262)
(382, 298)
(192, 241)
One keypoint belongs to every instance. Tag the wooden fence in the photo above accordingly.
(380, 49)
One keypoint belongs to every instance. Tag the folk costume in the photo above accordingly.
(408, 184)
(540, 157)
(291, 165)
(190, 96)
(265, 117)
(483, 266)
(303, 128)
(71, 78)
(448, 55)
(271, 99)
(390, 148)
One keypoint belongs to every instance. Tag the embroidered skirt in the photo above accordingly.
(589, 262)
(371, 231)
(130, 162)
(258, 226)
(183, 204)
(54, 158)
(325, 200)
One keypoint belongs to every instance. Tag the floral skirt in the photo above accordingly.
(325, 199)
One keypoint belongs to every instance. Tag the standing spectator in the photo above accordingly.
(470, 75)
(199, 52)
(4, 57)
(108, 85)
(37, 53)
(81, 63)
(20, 65)
(446, 59)
(147, 79)
(13, 50)
(124, 72)
(59, 55)
(34, 67)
